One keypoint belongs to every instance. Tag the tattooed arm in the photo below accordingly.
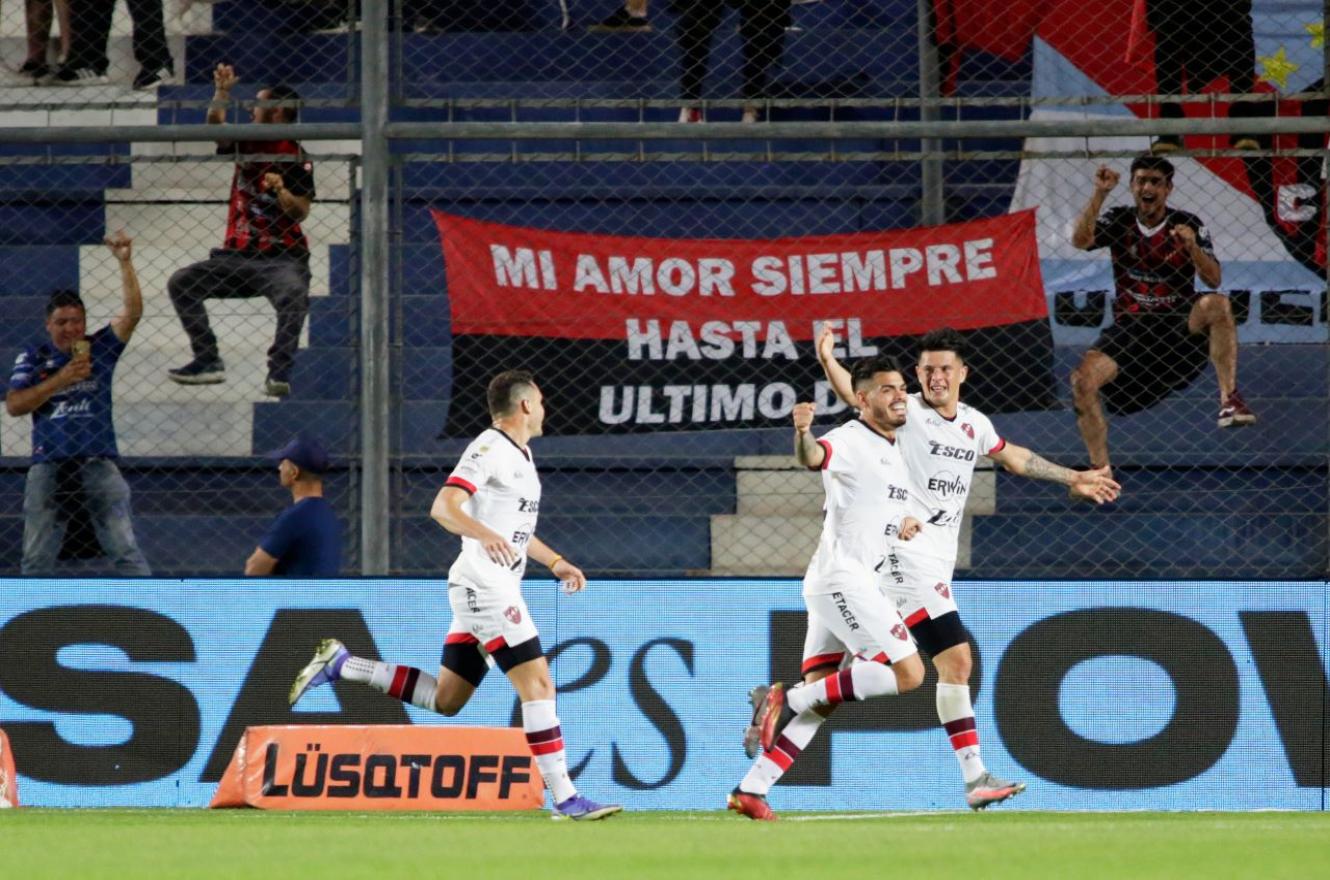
(1096, 485)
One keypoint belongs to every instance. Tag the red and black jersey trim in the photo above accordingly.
(826, 459)
(462, 484)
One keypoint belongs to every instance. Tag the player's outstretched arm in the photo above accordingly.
(806, 448)
(574, 581)
(1095, 485)
(837, 375)
(447, 512)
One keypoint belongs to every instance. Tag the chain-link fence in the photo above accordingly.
(667, 281)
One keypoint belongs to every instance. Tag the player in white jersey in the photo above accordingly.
(867, 495)
(491, 499)
(942, 442)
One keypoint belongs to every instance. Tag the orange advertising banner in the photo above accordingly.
(381, 767)
(8, 775)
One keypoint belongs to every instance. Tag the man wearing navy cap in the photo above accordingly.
(306, 540)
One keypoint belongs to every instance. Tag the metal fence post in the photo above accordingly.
(931, 206)
(374, 390)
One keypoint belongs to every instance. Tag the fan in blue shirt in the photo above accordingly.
(306, 539)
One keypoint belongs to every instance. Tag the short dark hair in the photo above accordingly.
(504, 390)
(866, 369)
(283, 92)
(62, 299)
(1148, 162)
(943, 339)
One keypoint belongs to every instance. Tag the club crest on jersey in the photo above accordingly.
(899, 632)
(513, 613)
(942, 590)
(968, 429)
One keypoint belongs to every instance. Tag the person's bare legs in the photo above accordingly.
(1095, 370)
(1213, 316)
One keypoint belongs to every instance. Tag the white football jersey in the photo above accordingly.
(501, 478)
(941, 454)
(867, 489)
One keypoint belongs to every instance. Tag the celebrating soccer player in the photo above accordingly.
(868, 490)
(940, 441)
(1163, 330)
(491, 499)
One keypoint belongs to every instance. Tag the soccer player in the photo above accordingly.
(491, 500)
(941, 442)
(867, 491)
(1163, 331)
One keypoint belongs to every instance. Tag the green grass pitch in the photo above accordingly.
(236, 845)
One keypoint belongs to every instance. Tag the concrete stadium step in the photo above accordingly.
(782, 545)
(179, 18)
(570, 488)
(777, 485)
(1110, 544)
(152, 428)
(203, 224)
(36, 270)
(694, 217)
(645, 546)
(99, 275)
(70, 218)
(1186, 491)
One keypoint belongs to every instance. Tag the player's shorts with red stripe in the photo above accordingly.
(494, 618)
(853, 619)
(918, 585)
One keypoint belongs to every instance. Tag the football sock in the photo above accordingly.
(771, 765)
(859, 681)
(545, 740)
(957, 716)
(406, 683)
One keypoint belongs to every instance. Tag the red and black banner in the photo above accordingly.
(648, 334)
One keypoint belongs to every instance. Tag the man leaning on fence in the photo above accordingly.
(265, 252)
(75, 494)
(1164, 330)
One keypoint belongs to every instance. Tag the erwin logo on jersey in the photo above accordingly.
(947, 484)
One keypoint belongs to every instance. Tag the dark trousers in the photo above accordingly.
(90, 22)
(762, 26)
(283, 281)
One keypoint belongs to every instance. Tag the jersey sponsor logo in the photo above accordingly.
(472, 603)
(513, 613)
(528, 505)
(944, 517)
(947, 484)
(66, 408)
(897, 574)
(896, 493)
(942, 450)
(942, 590)
(843, 606)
